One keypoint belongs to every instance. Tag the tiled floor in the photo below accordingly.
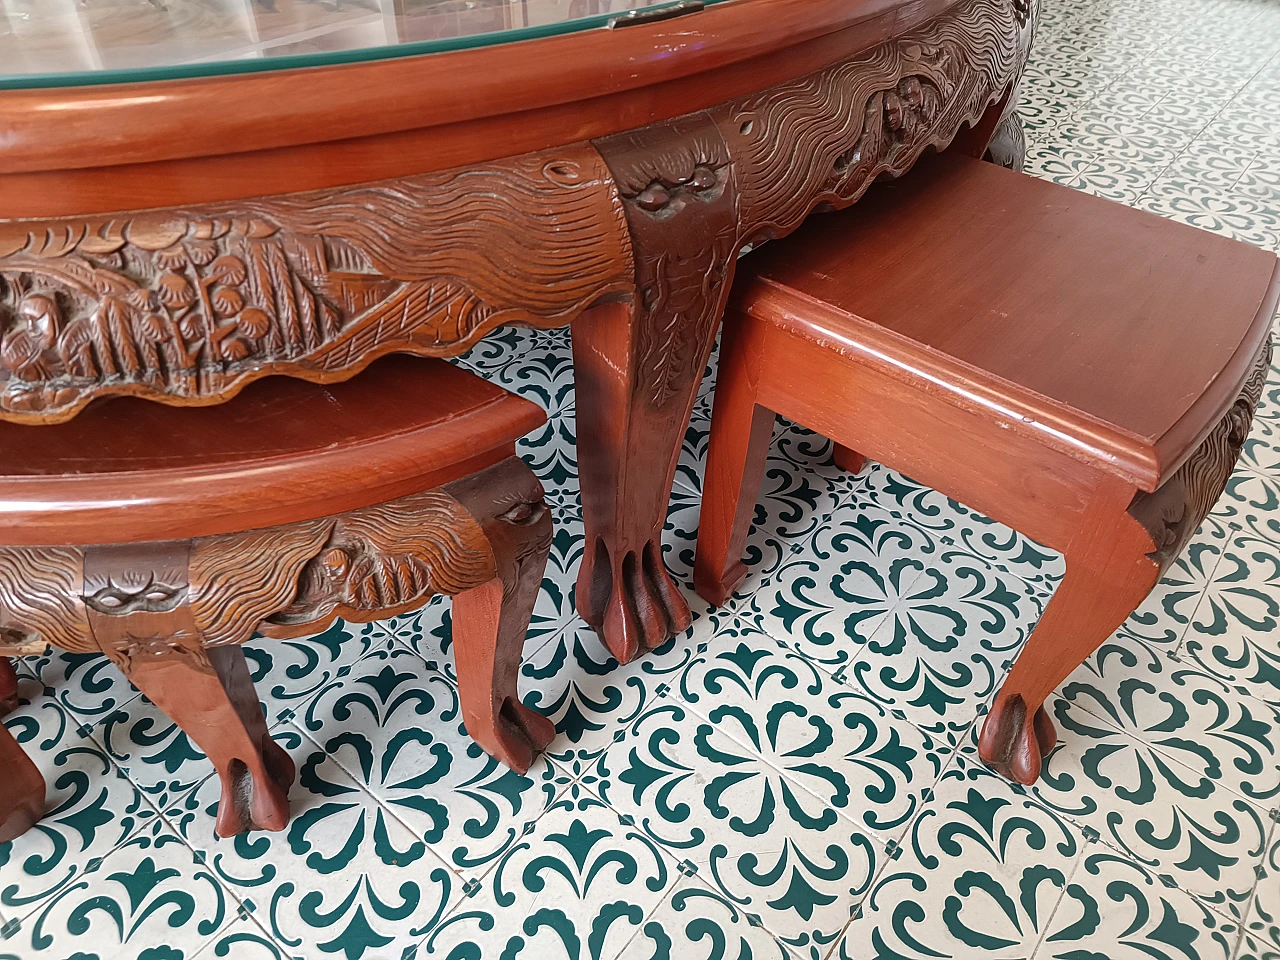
(796, 776)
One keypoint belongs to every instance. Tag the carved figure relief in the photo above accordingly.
(187, 306)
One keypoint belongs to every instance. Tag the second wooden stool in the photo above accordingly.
(165, 538)
(1082, 371)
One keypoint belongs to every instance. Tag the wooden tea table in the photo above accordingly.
(200, 193)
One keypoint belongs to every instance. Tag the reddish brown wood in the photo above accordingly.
(8, 687)
(916, 345)
(21, 791)
(850, 460)
(172, 612)
(489, 621)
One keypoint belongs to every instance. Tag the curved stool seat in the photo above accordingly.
(1082, 371)
(166, 537)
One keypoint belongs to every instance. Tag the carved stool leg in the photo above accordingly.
(738, 448)
(1109, 573)
(850, 460)
(209, 694)
(22, 790)
(490, 620)
(8, 687)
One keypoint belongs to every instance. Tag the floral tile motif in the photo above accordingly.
(980, 872)
(940, 652)
(1262, 928)
(1114, 908)
(242, 939)
(394, 725)
(751, 831)
(151, 899)
(90, 808)
(581, 882)
(346, 878)
(840, 746)
(698, 924)
(1141, 799)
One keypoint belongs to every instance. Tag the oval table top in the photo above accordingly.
(46, 43)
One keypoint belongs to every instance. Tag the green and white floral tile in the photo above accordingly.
(1233, 216)
(841, 746)
(1143, 801)
(1261, 937)
(165, 763)
(90, 807)
(590, 696)
(749, 830)
(87, 684)
(346, 878)
(1114, 908)
(536, 364)
(152, 898)
(1232, 634)
(831, 594)
(241, 939)
(980, 873)
(395, 727)
(580, 883)
(945, 644)
(959, 525)
(695, 923)
(1185, 714)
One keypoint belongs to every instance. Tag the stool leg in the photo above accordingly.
(22, 789)
(738, 449)
(209, 694)
(849, 460)
(1109, 573)
(8, 687)
(490, 621)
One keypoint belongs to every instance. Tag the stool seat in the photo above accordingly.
(1129, 333)
(284, 450)
(1081, 371)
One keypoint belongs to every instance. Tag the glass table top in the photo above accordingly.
(64, 42)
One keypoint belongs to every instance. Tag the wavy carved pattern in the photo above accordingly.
(40, 591)
(240, 579)
(186, 306)
(1173, 513)
(388, 558)
(824, 138)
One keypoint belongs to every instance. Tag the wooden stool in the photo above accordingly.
(165, 537)
(1082, 371)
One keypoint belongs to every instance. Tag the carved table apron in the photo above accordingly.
(631, 236)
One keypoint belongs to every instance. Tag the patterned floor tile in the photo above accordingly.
(345, 878)
(945, 644)
(749, 830)
(90, 808)
(241, 939)
(394, 725)
(580, 883)
(694, 923)
(840, 746)
(1262, 927)
(979, 874)
(150, 899)
(1142, 800)
(1114, 908)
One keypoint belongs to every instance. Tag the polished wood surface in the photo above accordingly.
(1125, 381)
(294, 480)
(282, 451)
(875, 338)
(632, 235)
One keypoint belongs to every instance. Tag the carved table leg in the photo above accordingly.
(1109, 573)
(1008, 146)
(139, 603)
(490, 620)
(850, 460)
(208, 693)
(8, 687)
(22, 792)
(738, 448)
(637, 367)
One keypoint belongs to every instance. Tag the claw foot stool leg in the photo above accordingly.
(490, 620)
